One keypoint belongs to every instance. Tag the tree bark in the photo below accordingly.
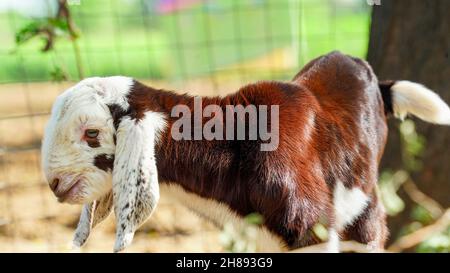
(410, 40)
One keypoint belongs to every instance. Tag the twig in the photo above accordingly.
(422, 199)
(64, 12)
(422, 234)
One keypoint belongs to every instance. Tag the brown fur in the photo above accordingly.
(292, 186)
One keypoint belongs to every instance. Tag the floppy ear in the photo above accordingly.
(92, 214)
(135, 178)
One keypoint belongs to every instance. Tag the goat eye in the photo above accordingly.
(91, 133)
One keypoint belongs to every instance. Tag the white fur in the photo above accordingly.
(112, 89)
(64, 154)
(84, 226)
(413, 98)
(333, 241)
(92, 214)
(220, 214)
(348, 205)
(67, 156)
(135, 177)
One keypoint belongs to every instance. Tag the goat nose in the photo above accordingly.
(54, 184)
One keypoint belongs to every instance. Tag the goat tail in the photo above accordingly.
(404, 97)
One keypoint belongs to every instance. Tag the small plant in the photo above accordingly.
(426, 211)
(241, 238)
(49, 30)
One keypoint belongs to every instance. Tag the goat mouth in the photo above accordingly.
(70, 193)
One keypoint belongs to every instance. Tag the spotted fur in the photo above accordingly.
(91, 215)
(135, 177)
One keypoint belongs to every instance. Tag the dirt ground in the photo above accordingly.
(31, 220)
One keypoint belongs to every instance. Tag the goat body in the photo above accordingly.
(332, 133)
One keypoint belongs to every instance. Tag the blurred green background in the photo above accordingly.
(147, 39)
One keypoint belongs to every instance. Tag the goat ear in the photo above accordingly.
(135, 178)
(91, 215)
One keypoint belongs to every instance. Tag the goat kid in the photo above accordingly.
(108, 145)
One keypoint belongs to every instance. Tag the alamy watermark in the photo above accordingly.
(235, 123)
(74, 2)
(374, 2)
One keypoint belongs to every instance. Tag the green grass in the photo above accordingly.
(117, 38)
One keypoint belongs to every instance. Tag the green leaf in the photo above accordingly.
(59, 23)
(58, 75)
(434, 244)
(389, 184)
(321, 232)
(422, 215)
(28, 31)
(254, 219)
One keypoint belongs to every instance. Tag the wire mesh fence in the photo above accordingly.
(208, 47)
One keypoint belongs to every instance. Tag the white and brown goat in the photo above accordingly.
(108, 144)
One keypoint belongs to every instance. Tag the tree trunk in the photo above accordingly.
(410, 40)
